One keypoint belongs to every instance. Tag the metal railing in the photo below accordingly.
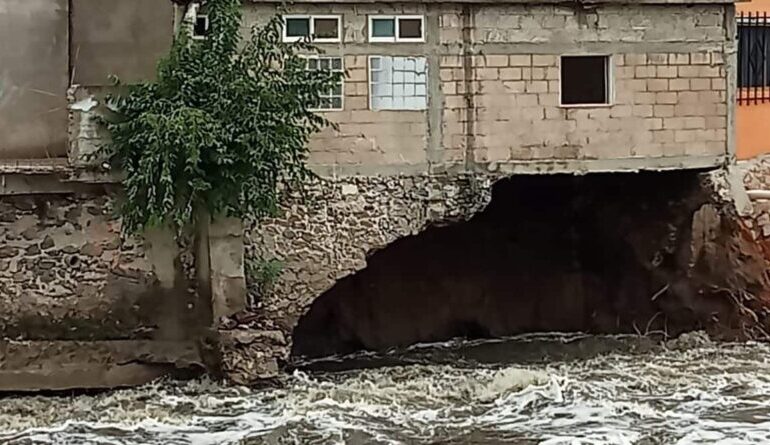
(753, 58)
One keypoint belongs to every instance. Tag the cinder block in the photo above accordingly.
(644, 72)
(716, 122)
(700, 84)
(510, 73)
(451, 62)
(710, 71)
(621, 111)
(719, 84)
(688, 97)
(496, 60)
(663, 136)
(636, 59)
(520, 60)
(678, 59)
(642, 110)
(666, 72)
(548, 99)
(537, 86)
(644, 98)
(537, 73)
(653, 123)
(666, 98)
(487, 73)
(709, 97)
(544, 60)
(657, 58)
(689, 71)
(657, 85)
(700, 58)
(679, 84)
(663, 110)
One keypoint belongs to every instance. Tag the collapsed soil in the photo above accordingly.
(602, 253)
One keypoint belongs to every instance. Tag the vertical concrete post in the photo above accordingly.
(731, 65)
(161, 250)
(228, 278)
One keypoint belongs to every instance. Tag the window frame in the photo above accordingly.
(396, 28)
(208, 26)
(311, 28)
(609, 73)
(370, 83)
(747, 25)
(342, 81)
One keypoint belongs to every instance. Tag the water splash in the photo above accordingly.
(710, 394)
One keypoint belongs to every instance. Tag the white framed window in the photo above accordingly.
(334, 98)
(316, 28)
(201, 27)
(396, 28)
(398, 83)
(585, 80)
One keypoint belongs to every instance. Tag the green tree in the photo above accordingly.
(227, 120)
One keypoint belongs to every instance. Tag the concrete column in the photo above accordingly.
(228, 279)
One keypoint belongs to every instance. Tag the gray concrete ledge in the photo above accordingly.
(578, 167)
(559, 166)
(62, 365)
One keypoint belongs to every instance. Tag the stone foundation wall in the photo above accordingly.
(66, 273)
(327, 234)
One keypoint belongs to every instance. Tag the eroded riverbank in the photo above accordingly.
(545, 389)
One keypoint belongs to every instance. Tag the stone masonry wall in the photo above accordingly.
(66, 273)
(327, 235)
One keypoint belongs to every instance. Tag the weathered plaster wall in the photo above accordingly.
(33, 78)
(66, 273)
(493, 83)
(117, 37)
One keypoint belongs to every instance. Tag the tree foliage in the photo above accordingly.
(227, 120)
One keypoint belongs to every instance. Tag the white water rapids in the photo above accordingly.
(583, 393)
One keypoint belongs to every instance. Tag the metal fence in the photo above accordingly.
(753, 60)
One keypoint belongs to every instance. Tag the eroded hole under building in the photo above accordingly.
(601, 253)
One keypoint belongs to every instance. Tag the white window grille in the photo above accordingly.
(398, 83)
(334, 98)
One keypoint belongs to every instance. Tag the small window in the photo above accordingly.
(384, 28)
(297, 28)
(314, 28)
(201, 26)
(331, 100)
(398, 83)
(585, 80)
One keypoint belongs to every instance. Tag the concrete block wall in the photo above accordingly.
(664, 105)
(493, 83)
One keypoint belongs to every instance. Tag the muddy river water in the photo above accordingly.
(542, 389)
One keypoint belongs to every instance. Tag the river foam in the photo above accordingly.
(712, 394)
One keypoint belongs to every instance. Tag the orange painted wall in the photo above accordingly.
(753, 121)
